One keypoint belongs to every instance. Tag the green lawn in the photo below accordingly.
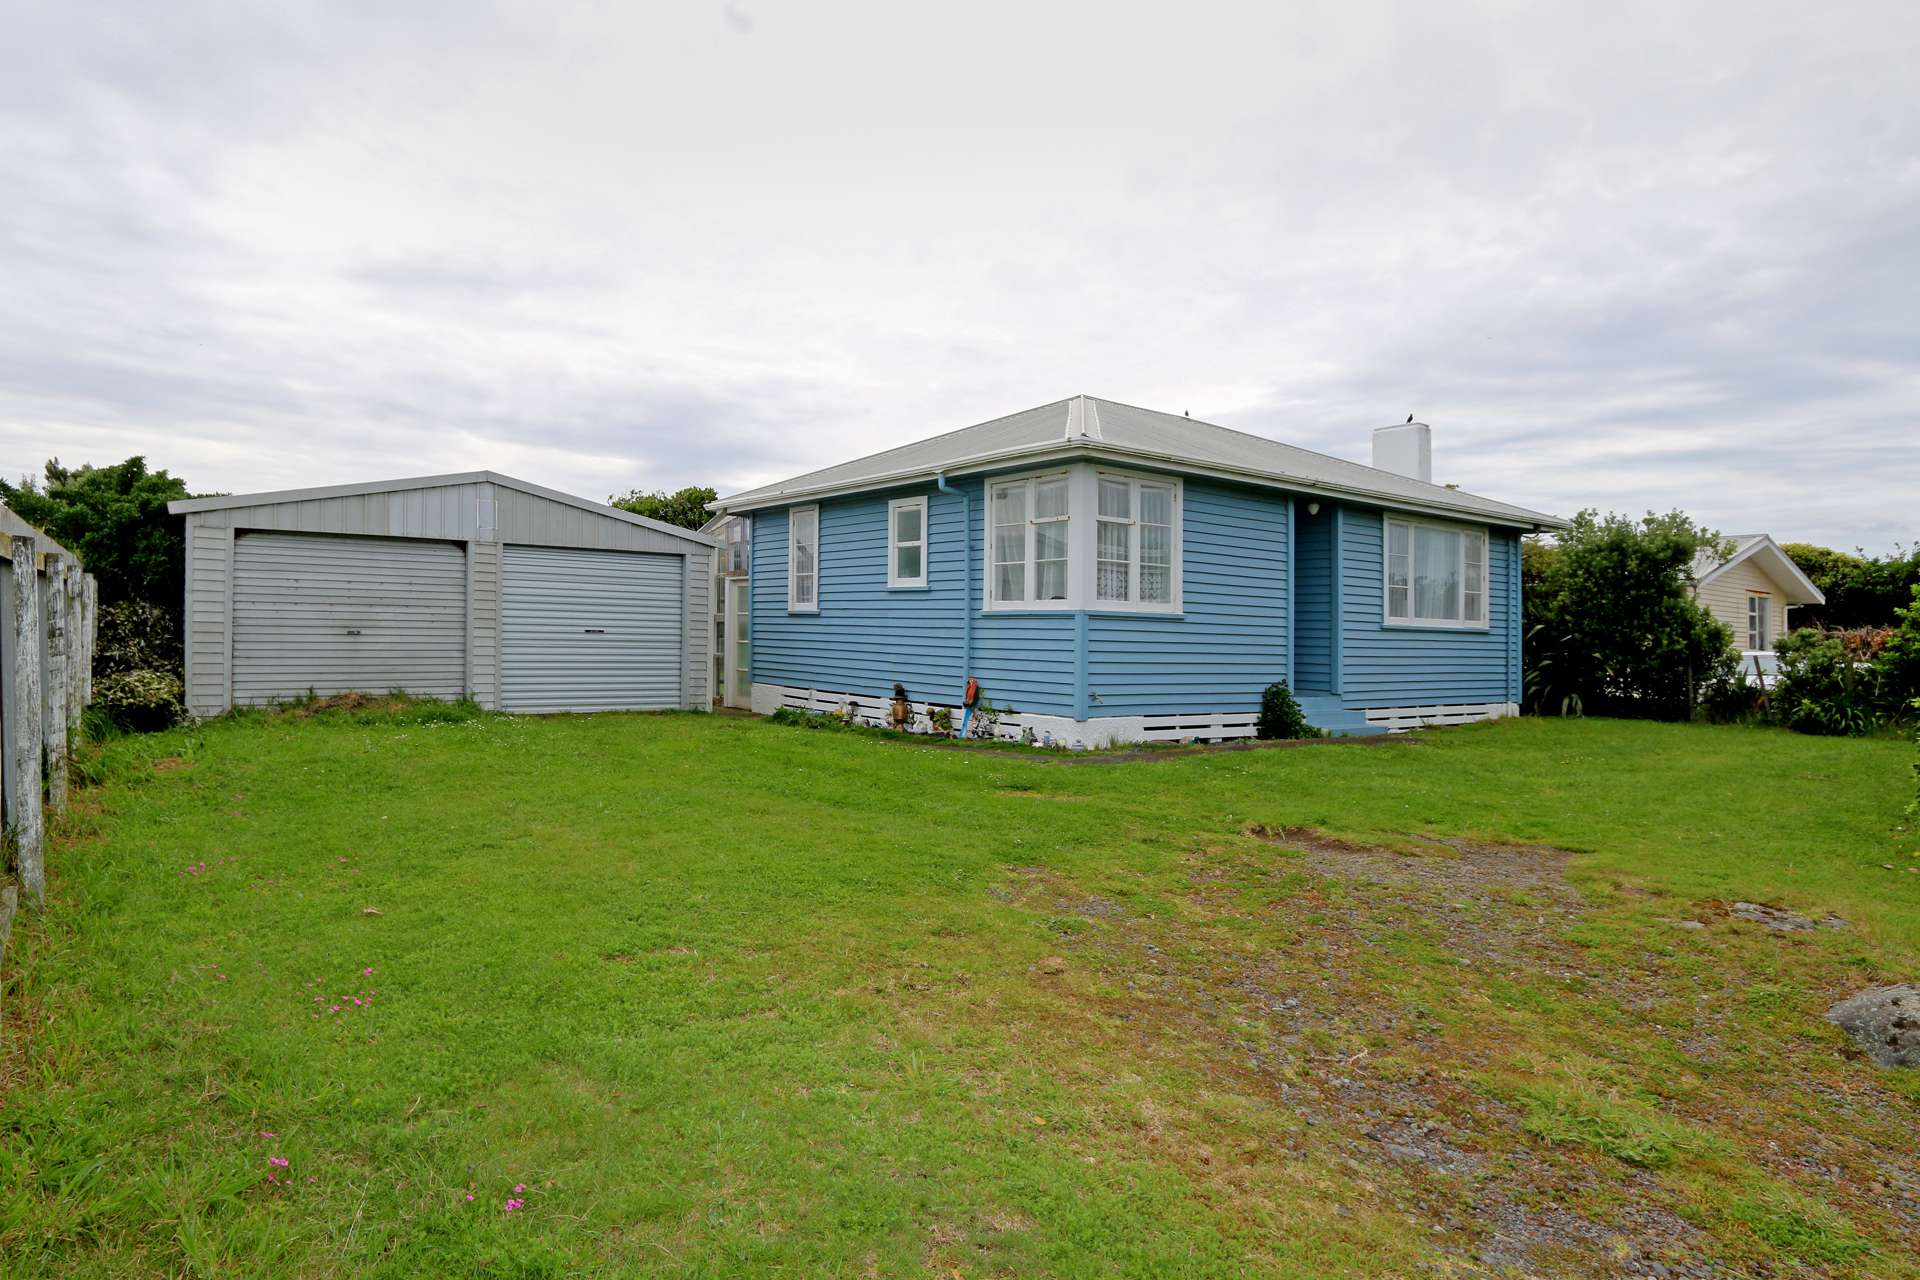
(731, 998)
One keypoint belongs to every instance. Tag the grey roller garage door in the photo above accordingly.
(336, 614)
(590, 630)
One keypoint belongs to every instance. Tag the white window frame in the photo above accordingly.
(894, 544)
(1083, 493)
(793, 606)
(1466, 532)
(1132, 603)
(1759, 621)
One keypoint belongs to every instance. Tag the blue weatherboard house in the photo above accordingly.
(1109, 573)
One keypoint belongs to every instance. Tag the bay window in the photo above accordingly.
(1436, 574)
(1120, 553)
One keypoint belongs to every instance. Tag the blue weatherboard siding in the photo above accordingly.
(1230, 640)
(1386, 666)
(1313, 601)
(1235, 634)
(866, 636)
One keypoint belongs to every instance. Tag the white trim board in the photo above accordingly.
(1109, 731)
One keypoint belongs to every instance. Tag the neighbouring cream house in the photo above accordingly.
(1751, 591)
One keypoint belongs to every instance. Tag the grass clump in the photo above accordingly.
(1578, 1114)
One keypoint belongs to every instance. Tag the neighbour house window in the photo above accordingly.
(1126, 557)
(803, 560)
(1759, 609)
(907, 542)
(1436, 575)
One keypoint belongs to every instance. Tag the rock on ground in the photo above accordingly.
(1885, 1021)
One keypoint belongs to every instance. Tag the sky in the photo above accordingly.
(1625, 256)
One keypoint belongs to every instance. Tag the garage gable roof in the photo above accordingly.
(185, 506)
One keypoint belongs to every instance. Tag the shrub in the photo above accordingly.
(133, 635)
(1280, 715)
(141, 701)
(1850, 682)
(1828, 683)
(1611, 623)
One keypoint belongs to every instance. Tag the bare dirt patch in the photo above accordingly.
(1427, 1020)
(171, 764)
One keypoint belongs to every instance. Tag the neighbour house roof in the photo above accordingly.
(184, 506)
(1766, 553)
(1085, 426)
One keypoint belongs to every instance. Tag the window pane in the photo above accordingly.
(1051, 580)
(1156, 562)
(1010, 504)
(1010, 582)
(1156, 504)
(906, 524)
(1116, 498)
(1397, 535)
(1397, 602)
(1436, 574)
(1049, 499)
(1114, 566)
(1050, 541)
(906, 563)
(1010, 545)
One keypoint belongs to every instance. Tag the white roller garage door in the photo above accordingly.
(338, 614)
(590, 630)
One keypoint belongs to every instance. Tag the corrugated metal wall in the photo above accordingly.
(479, 515)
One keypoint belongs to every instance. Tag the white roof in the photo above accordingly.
(1085, 426)
(1764, 551)
(182, 506)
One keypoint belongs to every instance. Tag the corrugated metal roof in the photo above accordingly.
(184, 506)
(1089, 426)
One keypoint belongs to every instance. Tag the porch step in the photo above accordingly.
(1325, 712)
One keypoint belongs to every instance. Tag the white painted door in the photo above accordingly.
(739, 629)
(337, 614)
(590, 630)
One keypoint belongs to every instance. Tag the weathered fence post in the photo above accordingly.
(78, 656)
(29, 829)
(55, 702)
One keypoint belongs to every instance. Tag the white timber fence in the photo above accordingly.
(47, 607)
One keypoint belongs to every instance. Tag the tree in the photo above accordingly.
(115, 519)
(685, 507)
(1861, 590)
(1611, 623)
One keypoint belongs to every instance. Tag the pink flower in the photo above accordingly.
(268, 1133)
(469, 1196)
(278, 1162)
(335, 1009)
(518, 1187)
(514, 1204)
(367, 972)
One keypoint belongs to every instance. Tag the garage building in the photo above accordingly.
(528, 599)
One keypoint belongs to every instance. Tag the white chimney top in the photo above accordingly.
(1406, 449)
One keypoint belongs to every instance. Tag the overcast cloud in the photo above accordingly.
(1619, 255)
